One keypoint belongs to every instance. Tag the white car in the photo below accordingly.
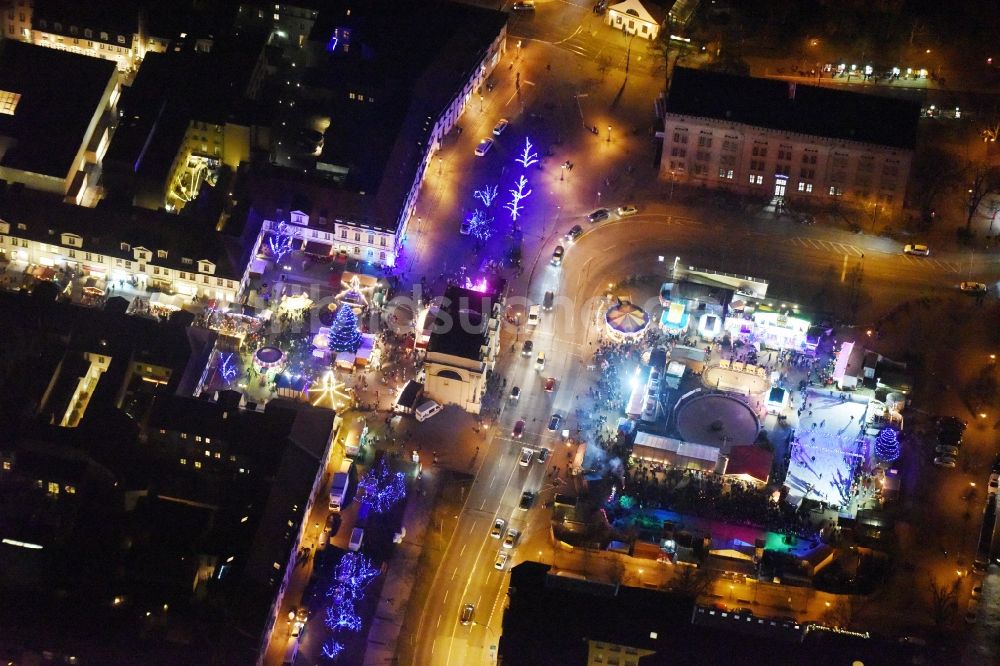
(500, 127)
(917, 249)
(498, 526)
(524, 6)
(994, 483)
(946, 450)
(501, 560)
(973, 287)
(625, 211)
(526, 455)
(510, 540)
(484, 147)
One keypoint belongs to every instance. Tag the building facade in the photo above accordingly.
(463, 348)
(864, 160)
(634, 18)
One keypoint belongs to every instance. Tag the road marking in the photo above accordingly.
(454, 573)
(463, 550)
(446, 593)
(843, 270)
(437, 626)
(575, 33)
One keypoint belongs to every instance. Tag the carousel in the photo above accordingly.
(626, 320)
(268, 358)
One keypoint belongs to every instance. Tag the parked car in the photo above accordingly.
(917, 249)
(332, 523)
(500, 127)
(484, 147)
(555, 421)
(540, 361)
(945, 450)
(526, 455)
(524, 6)
(527, 348)
(543, 455)
(945, 461)
(468, 610)
(599, 215)
(501, 560)
(465, 228)
(518, 430)
(626, 211)
(550, 384)
(527, 499)
(972, 611)
(575, 232)
(548, 300)
(977, 590)
(510, 540)
(515, 393)
(498, 526)
(992, 486)
(972, 287)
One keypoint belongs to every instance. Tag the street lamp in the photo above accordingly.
(480, 104)
(672, 178)
(562, 173)
(598, 200)
(609, 133)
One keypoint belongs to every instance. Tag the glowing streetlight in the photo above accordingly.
(609, 133)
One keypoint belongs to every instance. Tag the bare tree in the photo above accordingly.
(842, 613)
(693, 581)
(943, 601)
(985, 181)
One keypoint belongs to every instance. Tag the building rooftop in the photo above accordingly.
(405, 80)
(752, 461)
(60, 93)
(803, 109)
(118, 18)
(462, 325)
(104, 229)
(652, 620)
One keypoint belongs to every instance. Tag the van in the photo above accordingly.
(357, 536)
(534, 312)
(427, 410)
(540, 361)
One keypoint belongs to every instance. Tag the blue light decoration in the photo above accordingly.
(486, 195)
(227, 369)
(527, 157)
(331, 45)
(353, 575)
(481, 225)
(382, 488)
(344, 334)
(887, 445)
(517, 194)
(280, 242)
(332, 649)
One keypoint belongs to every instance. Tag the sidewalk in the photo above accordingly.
(383, 635)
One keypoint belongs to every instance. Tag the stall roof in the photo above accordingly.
(671, 445)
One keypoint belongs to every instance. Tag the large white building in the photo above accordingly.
(463, 347)
(788, 141)
(159, 251)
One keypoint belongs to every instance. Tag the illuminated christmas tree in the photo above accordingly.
(887, 445)
(344, 334)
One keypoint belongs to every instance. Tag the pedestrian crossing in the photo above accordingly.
(832, 247)
(840, 249)
(578, 43)
(946, 266)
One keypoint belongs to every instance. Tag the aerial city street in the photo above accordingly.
(462, 332)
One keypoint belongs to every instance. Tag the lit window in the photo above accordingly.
(184, 435)
(53, 488)
(197, 438)
(8, 102)
(208, 440)
(184, 461)
(207, 453)
(7, 466)
(277, 17)
(218, 455)
(197, 464)
(70, 490)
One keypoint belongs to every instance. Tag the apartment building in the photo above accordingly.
(787, 141)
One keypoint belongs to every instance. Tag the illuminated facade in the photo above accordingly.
(777, 139)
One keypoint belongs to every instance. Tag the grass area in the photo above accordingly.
(447, 504)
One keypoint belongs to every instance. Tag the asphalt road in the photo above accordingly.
(563, 85)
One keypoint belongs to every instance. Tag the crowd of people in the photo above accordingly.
(707, 496)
